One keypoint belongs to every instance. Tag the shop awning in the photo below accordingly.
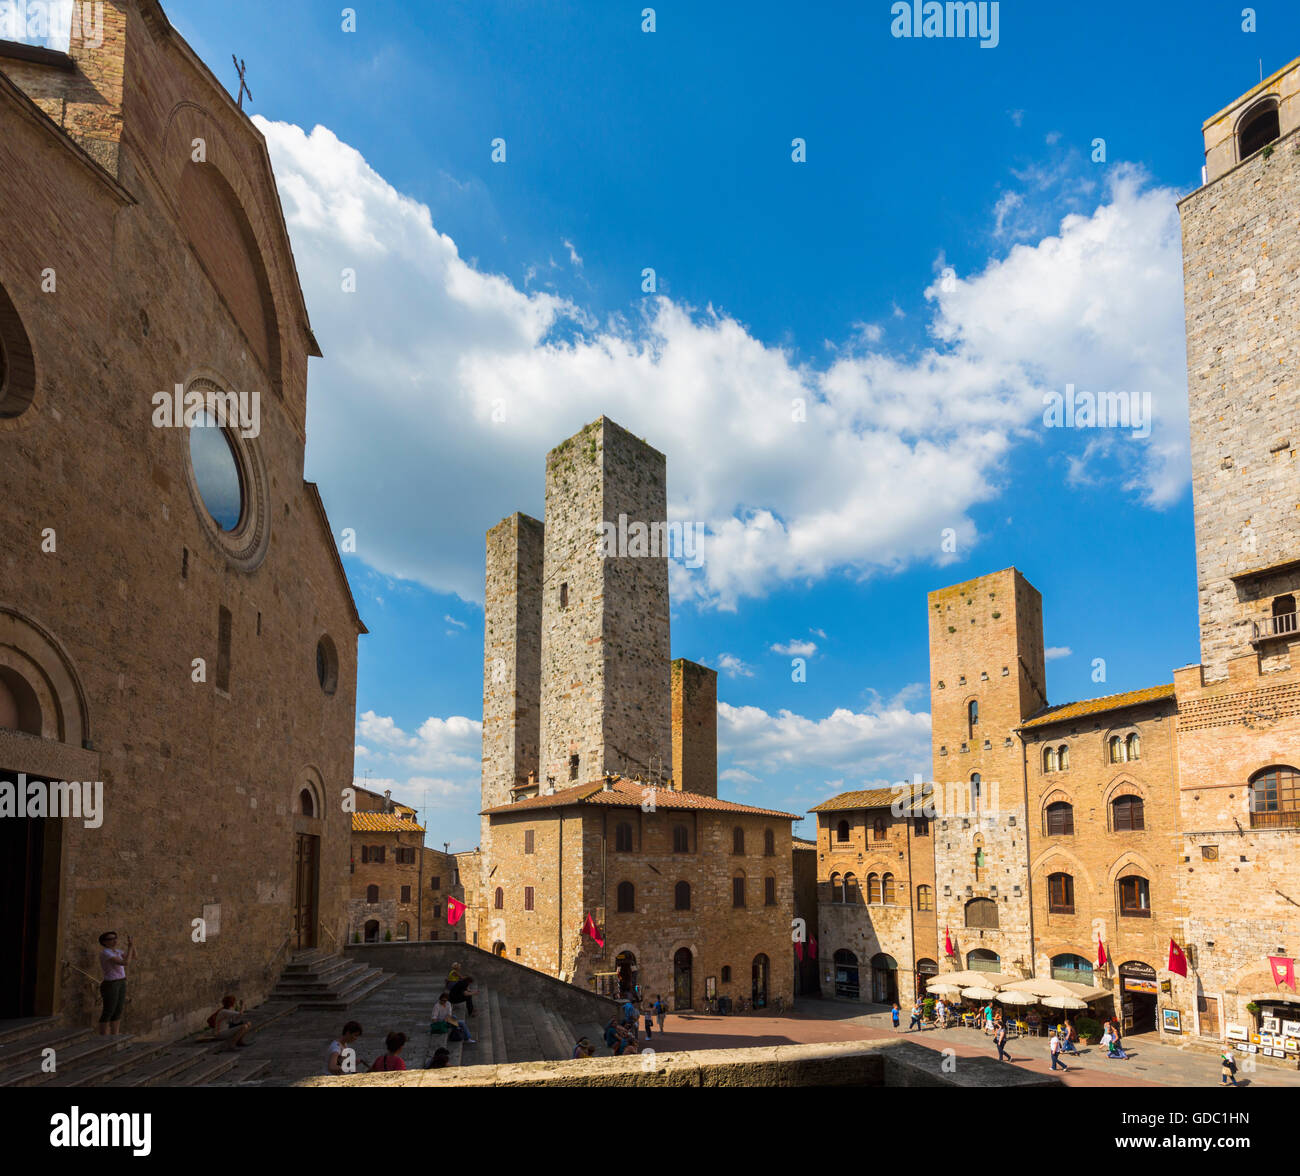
(1277, 998)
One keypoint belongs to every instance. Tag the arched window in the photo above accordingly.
(1284, 618)
(307, 803)
(851, 894)
(979, 862)
(1275, 797)
(887, 888)
(1060, 894)
(499, 899)
(1063, 757)
(982, 912)
(682, 896)
(681, 839)
(726, 974)
(17, 364)
(924, 898)
(842, 831)
(738, 890)
(626, 898)
(837, 888)
(769, 890)
(1072, 968)
(1127, 815)
(769, 843)
(1116, 750)
(879, 830)
(975, 790)
(1135, 897)
(1049, 759)
(1133, 747)
(972, 718)
(372, 894)
(1060, 819)
(403, 930)
(623, 837)
(983, 960)
(738, 840)
(873, 888)
(1258, 128)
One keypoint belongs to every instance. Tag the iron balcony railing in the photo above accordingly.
(1281, 625)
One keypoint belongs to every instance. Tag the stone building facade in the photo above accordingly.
(388, 864)
(876, 908)
(807, 976)
(618, 727)
(1238, 769)
(174, 618)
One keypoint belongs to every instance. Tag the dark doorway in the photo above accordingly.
(682, 979)
(372, 931)
(306, 859)
(758, 987)
(884, 979)
(625, 966)
(29, 859)
(846, 975)
(1139, 996)
(499, 949)
(926, 970)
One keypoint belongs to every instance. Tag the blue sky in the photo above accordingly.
(916, 279)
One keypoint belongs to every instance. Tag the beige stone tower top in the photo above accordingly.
(1264, 113)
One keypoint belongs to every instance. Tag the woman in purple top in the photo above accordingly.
(113, 986)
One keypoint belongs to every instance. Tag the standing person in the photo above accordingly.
(894, 1014)
(630, 1017)
(1054, 1047)
(915, 1022)
(988, 1017)
(660, 1012)
(392, 1059)
(941, 1013)
(1000, 1040)
(112, 988)
(458, 990)
(1069, 1035)
(334, 1055)
(1228, 1073)
(647, 1010)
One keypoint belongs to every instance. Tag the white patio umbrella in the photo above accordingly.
(1064, 1002)
(1046, 987)
(976, 993)
(983, 979)
(943, 989)
(1017, 998)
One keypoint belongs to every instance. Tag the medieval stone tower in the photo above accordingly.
(987, 676)
(604, 649)
(1241, 255)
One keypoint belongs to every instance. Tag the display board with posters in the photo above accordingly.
(1236, 1033)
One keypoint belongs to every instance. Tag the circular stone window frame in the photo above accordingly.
(245, 546)
(20, 390)
(327, 652)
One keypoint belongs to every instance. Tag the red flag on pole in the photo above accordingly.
(1283, 971)
(1101, 954)
(589, 928)
(798, 951)
(1177, 960)
(455, 910)
(947, 943)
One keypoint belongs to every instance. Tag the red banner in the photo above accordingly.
(1177, 960)
(455, 910)
(1283, 971)
(589, 928)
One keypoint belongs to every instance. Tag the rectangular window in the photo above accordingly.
(922, 827)
(564, 595)
(738, 892)
(435, 883)
(437, 910)
(1134, 898)
(1060, 894)
(377, 854)
(406, 894)
(528, 841)
(365, 854)
(223, 649)
(528, 898)
(769, 892)
(573, 767)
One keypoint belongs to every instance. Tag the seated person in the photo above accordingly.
(392, 1059)
(229, 1023)
(441, 1056)
(443, 1011)
(583, 1048)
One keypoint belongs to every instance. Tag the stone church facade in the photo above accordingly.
(174, 618)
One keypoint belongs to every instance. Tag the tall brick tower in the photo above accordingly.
(1238, 717)
(695, 727)
(604, 651)
(986, 677)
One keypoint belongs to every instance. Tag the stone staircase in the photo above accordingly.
(318, 979)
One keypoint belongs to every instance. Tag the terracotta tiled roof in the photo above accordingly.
(631, 794)
(869, 798)
(1096, 706)
(384, 823)
(800, 843)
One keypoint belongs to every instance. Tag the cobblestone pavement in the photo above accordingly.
(1150, 1063)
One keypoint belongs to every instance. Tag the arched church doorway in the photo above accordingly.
(682, 979)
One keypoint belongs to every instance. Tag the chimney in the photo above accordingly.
(695, 728)
(609, 782)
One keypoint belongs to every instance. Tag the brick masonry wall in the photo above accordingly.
(133, 314)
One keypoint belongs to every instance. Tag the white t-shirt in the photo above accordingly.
(336, 1047)
(228, 1017)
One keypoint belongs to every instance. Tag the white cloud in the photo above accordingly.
(733, 667)
(438, 744)
(1052, 652)
(453, 621)
(461, 378)
(573, 254)
(796, 649)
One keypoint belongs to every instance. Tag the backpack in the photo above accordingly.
(456, 1035)
(212, 1020)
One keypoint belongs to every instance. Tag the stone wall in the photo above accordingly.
(695, 727)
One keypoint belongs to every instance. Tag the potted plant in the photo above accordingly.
(1089, 1030)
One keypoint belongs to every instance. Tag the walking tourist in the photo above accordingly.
(334, 1056)
(1000, 1040)
(894, 1014)
(1228, 1073)
(648, 1010)
(915, 1022)
(1054, 1047)
(660, 1012)
(392, 1059)
(112, 988)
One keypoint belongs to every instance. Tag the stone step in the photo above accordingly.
(34, 1043)
(320, 972)
(22, 1028)
(245, 1073)
(358, 990)
(156, 1071)
(495, 1051)
(549, 1036)
(86, 1049)
(204, 1070)
(112, 1066)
